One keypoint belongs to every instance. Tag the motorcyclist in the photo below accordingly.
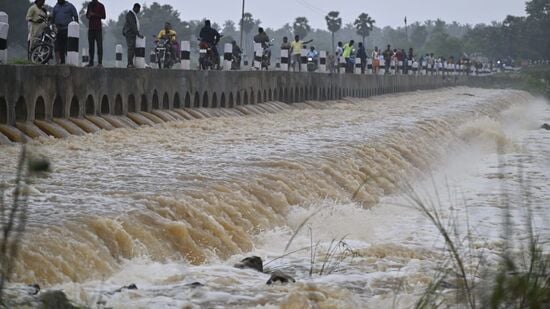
(212, 37)
(168, 34)
(312, 59)
(263, 38)
(313, 54)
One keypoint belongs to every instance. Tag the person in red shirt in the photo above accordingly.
(95, 13)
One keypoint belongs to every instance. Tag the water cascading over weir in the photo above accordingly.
(41, 101)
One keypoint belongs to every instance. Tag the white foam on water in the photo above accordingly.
(271, 173)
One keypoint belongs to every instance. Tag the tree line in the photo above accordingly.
(516, 38)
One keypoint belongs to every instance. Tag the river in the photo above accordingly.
(181, 202)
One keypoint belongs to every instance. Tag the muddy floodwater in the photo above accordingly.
(166, 206)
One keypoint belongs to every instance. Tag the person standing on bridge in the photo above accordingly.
(131, 33)
(388, 54)
(296, 51)
(37, 16)
(63, 14)
(347, 54)
(286, 46)
(95, 13)
(362, 54)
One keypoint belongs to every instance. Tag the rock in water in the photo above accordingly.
(279, 276)
(132, 286)
(545, 126)
(252, 262)
(126, 287)
(195, 285)
(55, 300)
(34, 289)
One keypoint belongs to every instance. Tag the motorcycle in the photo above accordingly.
(236, 62)
(208, 60)
(163, 52)
(312, 64)
(266, 56)
(43, 47)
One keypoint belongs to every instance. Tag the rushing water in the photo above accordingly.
(181, 202)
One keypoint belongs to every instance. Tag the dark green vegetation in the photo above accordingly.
(536, 80)
(516, 38)
(533, 79)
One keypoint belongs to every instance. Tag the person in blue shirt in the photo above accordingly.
(312, 53)
(63, 14)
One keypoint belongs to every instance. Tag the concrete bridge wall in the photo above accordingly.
(44, 92)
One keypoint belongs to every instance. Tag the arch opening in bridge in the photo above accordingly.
(222, 100)
(3, 111)
(265, 96)
(187, 101)
(40, 109)
(281, 96)
(21, 114)
(238, 98)
(143, 105)
(270, 95)
(231, 103)
(131, 104)
(58, 107)
(155, 100)
(165, 101)
(197, 100)
(90, 106)
(214, 103)
(257, 99)
(245, 99)
(252, 98)
(74, 109)
(177, 102)
(119, 107)
(205, 99)
(105, 108)
(306, 94)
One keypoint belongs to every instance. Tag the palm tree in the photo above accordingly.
(247, 24)
(301, 27)
(334, 24)
(364, 24)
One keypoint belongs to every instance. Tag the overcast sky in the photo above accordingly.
(275, 13)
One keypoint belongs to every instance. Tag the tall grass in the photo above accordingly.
(520, 278)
